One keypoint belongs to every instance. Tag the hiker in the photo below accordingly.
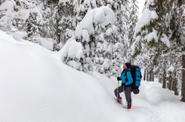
(128, 84)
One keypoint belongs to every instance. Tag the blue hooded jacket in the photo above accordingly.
(126, 77)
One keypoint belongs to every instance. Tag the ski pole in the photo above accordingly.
(118, 85)
(117, 89)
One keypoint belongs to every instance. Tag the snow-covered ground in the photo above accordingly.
(36, 87)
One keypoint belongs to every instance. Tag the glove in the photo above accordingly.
(118, 78)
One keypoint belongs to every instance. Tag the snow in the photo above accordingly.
(109, 31)
(171, 69)
(165, 40)
(82, 5)
(153, 35)
(85, 36)
(48, 43)
(146, 17)
(18, 35)
(36, 87)
(23, 14)
(10, 12)
(7, 6)
(106, 63)
(72, 49)
(104, 16)
(7, 9)
(98, 16)
(152, 104)
(63, 1)
(140, 6)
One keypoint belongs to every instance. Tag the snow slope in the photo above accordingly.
(36, 87)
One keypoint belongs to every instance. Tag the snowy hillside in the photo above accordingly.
(36, 87)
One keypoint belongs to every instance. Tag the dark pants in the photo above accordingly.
(127, 90)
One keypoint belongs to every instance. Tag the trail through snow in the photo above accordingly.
(153, 104)
(36, 87)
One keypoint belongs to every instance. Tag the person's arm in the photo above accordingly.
(129, 78)
(119, 78)
(123, 77)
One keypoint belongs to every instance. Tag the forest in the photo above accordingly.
(100, 35)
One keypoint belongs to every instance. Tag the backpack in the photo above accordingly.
(136, 75)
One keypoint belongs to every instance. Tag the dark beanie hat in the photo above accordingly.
(128, 65)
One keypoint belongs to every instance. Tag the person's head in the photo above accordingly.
(126, 65)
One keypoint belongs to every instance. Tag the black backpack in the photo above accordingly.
(137, 76)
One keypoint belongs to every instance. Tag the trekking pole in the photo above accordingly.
(117, 90)
(118, 86)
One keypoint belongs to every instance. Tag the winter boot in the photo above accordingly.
(129, 106)
(119, 100)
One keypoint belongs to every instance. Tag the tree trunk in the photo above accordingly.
(164, 79)
(58, 31)
(1, 1)
(145, 75)
(160, 78)
(152, 75)
(170, 82)
(174, 87)
(148, 75)
(183, 78)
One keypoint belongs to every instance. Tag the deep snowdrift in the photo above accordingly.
(36, 87)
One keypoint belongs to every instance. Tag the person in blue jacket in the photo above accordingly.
(127, 80)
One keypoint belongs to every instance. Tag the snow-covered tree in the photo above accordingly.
(104, 49)
(86, 33)
(64, 20)
(7, 13)
(159, 45)
(105, 46)
(23, 15)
